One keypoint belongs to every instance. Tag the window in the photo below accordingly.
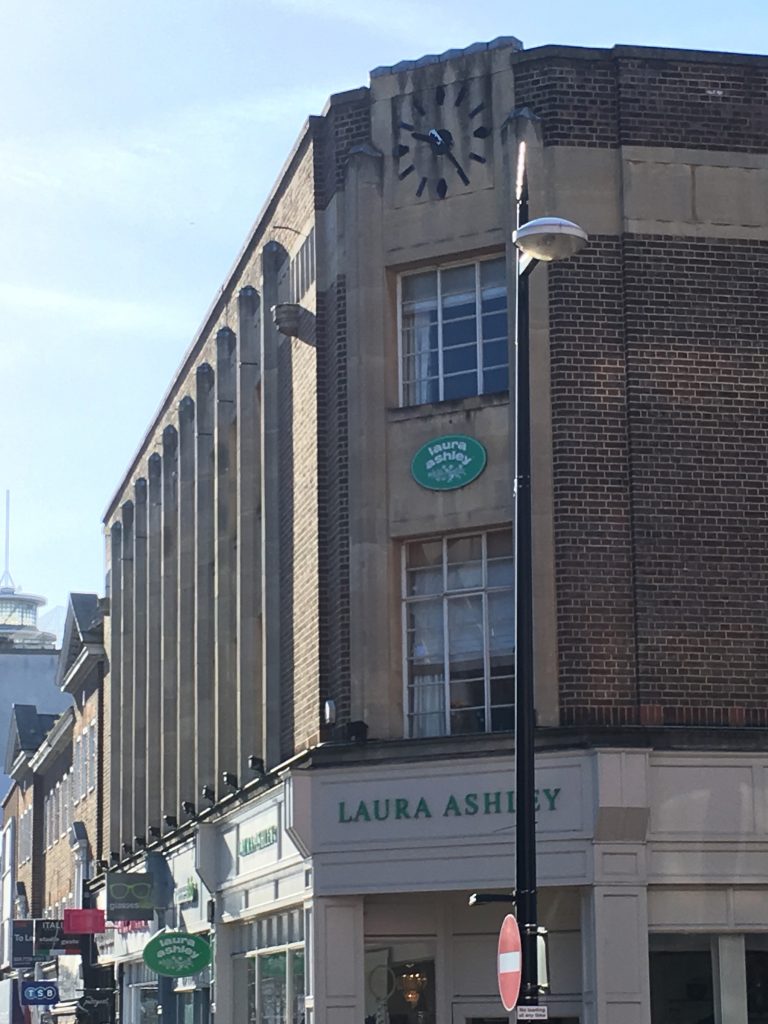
(92, 753)
(276, 981)
(458, 629)
(25, 836)
(453, 332)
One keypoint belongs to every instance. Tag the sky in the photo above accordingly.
(138, 141)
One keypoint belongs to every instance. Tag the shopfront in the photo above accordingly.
(652, 873)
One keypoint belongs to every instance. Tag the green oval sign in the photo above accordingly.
(177, 954)
(448, 462)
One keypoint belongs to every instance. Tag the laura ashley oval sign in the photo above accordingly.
(177, 954)
(448, 462)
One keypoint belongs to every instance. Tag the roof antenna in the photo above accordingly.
(6, 580)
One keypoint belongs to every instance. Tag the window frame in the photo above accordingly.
(445, 596)
(439, 268)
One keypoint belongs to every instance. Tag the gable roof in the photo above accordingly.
(84, 624)
(27, 731)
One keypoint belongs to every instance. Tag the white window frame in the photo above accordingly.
(483, 590)
(289, 949)
(439, 268)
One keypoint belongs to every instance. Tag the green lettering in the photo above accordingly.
(491, 803)
(376, 809)
(452, 807)
(551, 795)
(344, 820)
(470, 804)
(362, 812)
(401, 807)
(511, 801)
(536, 801)
(422, 809)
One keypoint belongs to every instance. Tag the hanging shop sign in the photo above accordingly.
(95, 1006)
(130, 896)
(448, 462)
(84, 921)
(177, 954)
(39, 993)
(51, 939)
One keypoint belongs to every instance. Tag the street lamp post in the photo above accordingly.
(545, 239)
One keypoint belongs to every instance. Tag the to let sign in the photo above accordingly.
(50, 939)
(509, 962)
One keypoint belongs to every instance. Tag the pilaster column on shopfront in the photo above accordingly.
(369, 328)
(228, 989)
(730, 977)
(249, 648)
(139, 755)
(153, 735)
(614, 937)
(201, 744)
(124, 709)
(169, 664)
(187, 517)
(271, 259)
(225, 543)
(337, 972)
(112, 757)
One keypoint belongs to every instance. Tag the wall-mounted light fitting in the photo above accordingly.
(170, 820)
(207, 793)
(230, 780)
(155, 831)
(114, 856)
(188, 807)
(256, 764)
(140, 842)
(126, 848)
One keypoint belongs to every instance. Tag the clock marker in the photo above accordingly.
(440, 95)
(422, 185)
(442, 188)
(406, 172)
(477, 157)
(461, 97)
(418, 107)
(406, 126)
(477, 109)
(481, 133)
(401, 150)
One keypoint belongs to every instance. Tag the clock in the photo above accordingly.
(442, 139)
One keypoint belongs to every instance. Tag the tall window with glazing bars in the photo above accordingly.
(453, 332)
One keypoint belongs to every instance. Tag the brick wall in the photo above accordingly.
(346, 124)
(610, 100)
(333, 504)
(660, 405)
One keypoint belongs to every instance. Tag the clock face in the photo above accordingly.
(443, 139)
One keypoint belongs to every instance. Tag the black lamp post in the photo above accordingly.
(544, 239)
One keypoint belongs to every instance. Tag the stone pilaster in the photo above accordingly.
(169, 803)
(185, 728)
(139, 757)
(154, 737)
(125, 701)
(203, 739)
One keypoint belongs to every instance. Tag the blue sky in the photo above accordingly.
(138, 141)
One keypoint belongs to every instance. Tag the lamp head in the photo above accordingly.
(230, 780)
(140, 842)
(550, 239)
(208, 793)
(155, 831)
(171, 820)
(188, 807)
(256, 764)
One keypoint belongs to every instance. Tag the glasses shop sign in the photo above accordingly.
(130, 896)
(177, 954)
(448, 462)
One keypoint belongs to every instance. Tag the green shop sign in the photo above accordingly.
(448, 462)
(403, 808)
(252, 844)
(177, 954)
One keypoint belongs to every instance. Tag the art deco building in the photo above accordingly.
(310, 640)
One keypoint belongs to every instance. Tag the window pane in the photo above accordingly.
(495, 380)
(465, 562)
(420, 288)
(463, 385)
(494, 354)
(493, 275)
(297, 979)
(271, 997)
(425, 635)
(681, 987)
(457, 285)
(467, 721)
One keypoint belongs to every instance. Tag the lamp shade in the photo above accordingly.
(550, 239)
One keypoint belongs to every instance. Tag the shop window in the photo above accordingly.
(682, 989)
(453, 332)
(276, 970)
(458, 630)
(757, 979)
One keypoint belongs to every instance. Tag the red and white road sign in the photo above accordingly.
(509, 962)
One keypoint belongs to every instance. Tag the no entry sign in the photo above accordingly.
(509, 962)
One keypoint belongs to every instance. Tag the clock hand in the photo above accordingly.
(457, 165)
(421, 137)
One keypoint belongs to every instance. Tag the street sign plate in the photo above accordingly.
(509, 962)
(532, 1013)
(39, 993)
